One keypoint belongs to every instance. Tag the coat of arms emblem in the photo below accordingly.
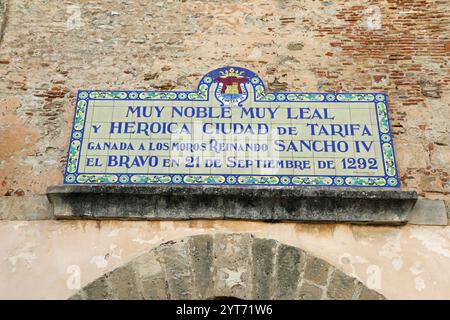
(231, 88)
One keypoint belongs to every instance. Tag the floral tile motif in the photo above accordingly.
(312, 181)
(212, 179)
(150, 179)
(264, 180)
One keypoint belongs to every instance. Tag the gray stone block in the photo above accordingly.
(201, 252)
(150, 277)
(341, 286)
(78, 296)
(309, 292)
(368, 294)
(178, 270)
(316, 270)
(122, 284)
(98, 289)
(447, 207)
(232, 265)
(32, 207)
(289, 265)
(429, 212)
(263, 267)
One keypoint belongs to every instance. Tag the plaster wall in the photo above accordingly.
(52, 259)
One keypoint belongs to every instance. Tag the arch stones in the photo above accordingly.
(226, 265)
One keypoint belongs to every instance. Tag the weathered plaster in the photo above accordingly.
(42, 259)
(51, 49)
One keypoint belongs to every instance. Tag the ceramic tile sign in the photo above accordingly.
(231, 131)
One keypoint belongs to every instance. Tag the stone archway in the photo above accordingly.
(226, 265)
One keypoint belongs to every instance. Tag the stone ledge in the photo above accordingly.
(302, 204)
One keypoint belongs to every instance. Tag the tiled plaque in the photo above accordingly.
(231, 131)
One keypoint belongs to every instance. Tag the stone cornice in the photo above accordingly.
(305, 204)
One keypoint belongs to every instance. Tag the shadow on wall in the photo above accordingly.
(236, 266)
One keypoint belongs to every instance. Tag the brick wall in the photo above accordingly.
(50, 49)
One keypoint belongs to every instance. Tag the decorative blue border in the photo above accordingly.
(390, 178)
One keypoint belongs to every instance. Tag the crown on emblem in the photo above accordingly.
(231, 73)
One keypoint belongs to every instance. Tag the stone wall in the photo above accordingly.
(50, 49)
